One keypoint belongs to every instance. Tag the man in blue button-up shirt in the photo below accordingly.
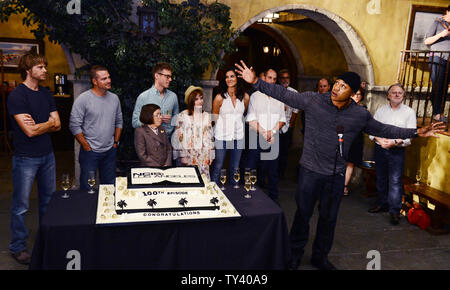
(160, 95)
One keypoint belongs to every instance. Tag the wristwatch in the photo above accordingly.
(274, 131)
(395, 142)
(116, 143)
(416, 133)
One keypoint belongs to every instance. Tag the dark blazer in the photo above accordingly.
(152, 150)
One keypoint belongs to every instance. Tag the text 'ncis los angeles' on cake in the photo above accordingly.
(175, 176)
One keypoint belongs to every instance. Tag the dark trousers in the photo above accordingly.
(285, 143)
(105, 162)
(313, 187)
(264, 158)
(389, 165)
(439, 69)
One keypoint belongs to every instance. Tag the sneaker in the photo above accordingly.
(22, 257)
(440, 118)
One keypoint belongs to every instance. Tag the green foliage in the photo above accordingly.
(193, 38)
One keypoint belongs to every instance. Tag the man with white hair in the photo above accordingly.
(390, 153)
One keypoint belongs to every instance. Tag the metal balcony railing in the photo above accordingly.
(425, 77)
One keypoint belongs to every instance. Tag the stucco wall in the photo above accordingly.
(432, 157)
(57, 62)
(321, 54)
(384, 34)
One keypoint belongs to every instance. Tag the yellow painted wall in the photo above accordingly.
(383, 35)
(57, 62)
(432, 156)
(320, 52)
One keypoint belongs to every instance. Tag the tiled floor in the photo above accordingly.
(357, 232)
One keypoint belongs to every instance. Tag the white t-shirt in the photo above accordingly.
(266, 110)
(403, 117)
(230, 123)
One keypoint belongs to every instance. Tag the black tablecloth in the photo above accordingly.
(258, 240)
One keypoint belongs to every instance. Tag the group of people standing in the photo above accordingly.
(323, 164)
(164, 136)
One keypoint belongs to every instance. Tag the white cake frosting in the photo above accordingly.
(198, 199)
(106, 209)
(162, 199)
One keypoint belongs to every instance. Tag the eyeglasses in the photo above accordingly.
(157, 115)
(169, 77)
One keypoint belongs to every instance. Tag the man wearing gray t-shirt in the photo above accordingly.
(96, 123)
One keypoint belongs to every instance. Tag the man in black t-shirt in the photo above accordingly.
(34, 116)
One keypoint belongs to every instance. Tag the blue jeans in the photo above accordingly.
(24, 171)
(105, 162)
(389, 170)
(313, 187)
(235, 148)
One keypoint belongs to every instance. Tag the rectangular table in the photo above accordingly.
(258, 240)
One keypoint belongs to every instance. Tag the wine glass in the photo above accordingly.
(253, 177)
(418, 176)
(246, 173)
(91, 181)
(65, 184)
(223, 178)
(236, 177)
(247, 186)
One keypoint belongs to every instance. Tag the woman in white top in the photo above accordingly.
(228, 110)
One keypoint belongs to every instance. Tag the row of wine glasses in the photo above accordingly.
(66, 183)
(250, 178)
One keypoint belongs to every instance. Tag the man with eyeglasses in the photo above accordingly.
(160, 95)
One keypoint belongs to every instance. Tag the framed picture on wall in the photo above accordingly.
(14, 48)
(420, 21)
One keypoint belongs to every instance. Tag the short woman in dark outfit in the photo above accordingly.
(356, 150)
(150, 141)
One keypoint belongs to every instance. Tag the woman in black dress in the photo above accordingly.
(356, 149)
